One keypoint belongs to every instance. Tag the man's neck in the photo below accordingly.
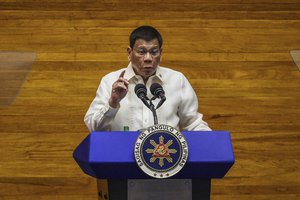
(145, 80)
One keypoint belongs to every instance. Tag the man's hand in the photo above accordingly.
(119, 91)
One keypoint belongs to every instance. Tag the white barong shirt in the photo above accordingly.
(180, 110)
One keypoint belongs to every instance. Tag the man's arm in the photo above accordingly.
(105, 106)
(190, 118)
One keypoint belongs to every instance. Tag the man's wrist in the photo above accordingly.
(113, 104)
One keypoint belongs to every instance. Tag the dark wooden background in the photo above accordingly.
(236, 54)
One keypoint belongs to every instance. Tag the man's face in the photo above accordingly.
(145, 57)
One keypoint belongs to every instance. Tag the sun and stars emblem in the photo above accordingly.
(161, 151)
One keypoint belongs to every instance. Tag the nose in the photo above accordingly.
(147, 57)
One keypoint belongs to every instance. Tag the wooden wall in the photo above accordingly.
(234, 52)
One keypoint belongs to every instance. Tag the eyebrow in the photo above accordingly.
(142, 46)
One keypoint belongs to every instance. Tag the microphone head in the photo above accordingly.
(157, 90)
(140, 90)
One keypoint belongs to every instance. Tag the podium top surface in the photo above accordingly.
(111, 155)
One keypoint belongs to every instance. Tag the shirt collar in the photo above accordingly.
(129, 73)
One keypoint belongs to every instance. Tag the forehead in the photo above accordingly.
(146, 44)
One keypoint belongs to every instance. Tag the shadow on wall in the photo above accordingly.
(14, 67)
(296, 57)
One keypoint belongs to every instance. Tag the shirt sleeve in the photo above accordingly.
(100, 115)
(190, 118)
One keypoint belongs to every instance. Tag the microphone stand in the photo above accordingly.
(152, 108)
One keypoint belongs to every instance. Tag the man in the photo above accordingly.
(116, 105)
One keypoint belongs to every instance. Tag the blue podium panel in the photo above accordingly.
(109, 155)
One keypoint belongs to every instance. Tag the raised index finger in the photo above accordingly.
(122, 74)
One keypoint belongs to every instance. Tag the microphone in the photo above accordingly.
(157, 91)
(141, 92)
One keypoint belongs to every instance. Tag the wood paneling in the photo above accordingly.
(235, 54)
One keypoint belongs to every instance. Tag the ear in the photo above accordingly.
(160, 59)
(129, 52)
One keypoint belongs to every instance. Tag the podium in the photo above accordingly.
(110, 155)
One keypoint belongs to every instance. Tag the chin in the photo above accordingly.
(149, 73)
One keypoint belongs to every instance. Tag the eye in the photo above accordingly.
(155, 51)
(142, 51)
